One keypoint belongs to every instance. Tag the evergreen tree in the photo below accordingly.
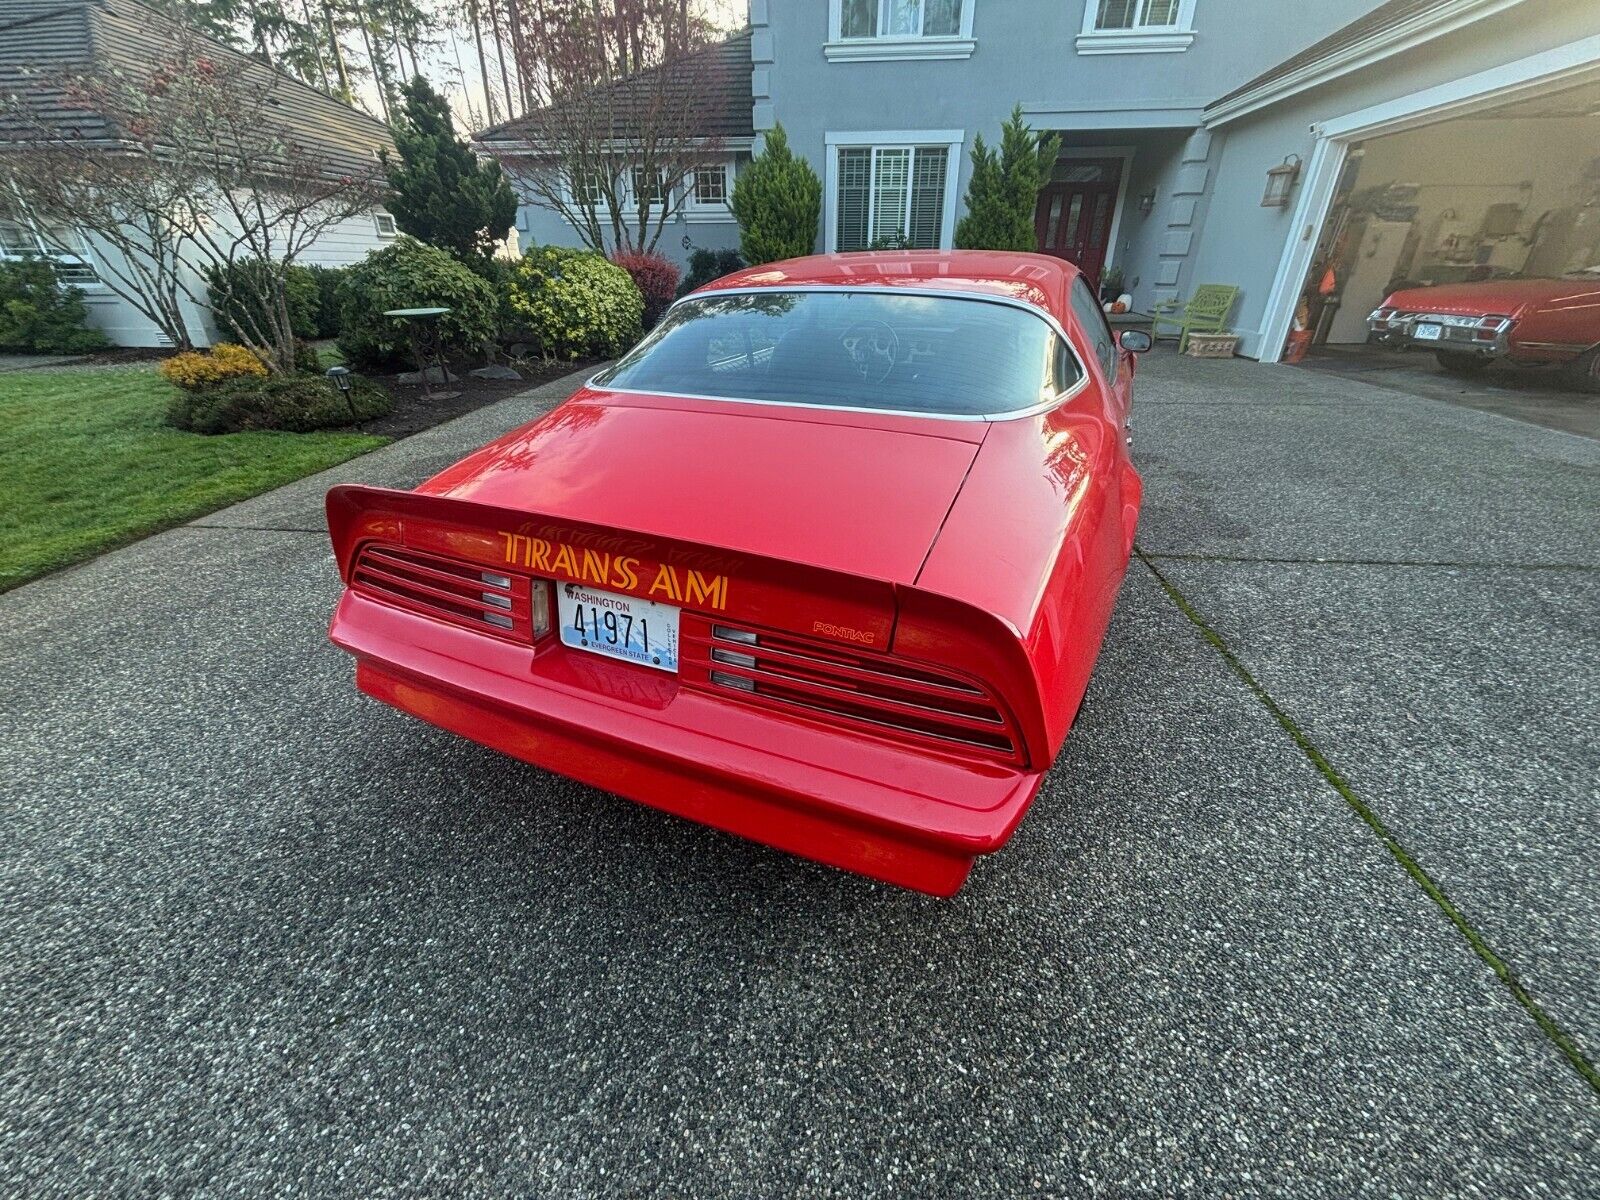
(443, 193)
(1004, 188)
(777, 201)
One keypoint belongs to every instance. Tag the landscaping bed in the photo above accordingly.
(413, 412)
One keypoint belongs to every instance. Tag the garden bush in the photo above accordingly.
(234, 293)
(409, 274)
(706, 265)
(197, 370)
(327, 279)
(41, 315)
(575, 303)
(777, 201)
(294, 403)
(655, 277)
(1004, 189)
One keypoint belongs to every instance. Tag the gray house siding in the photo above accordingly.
(1026, 52)
(537, 226)
(1246, 249)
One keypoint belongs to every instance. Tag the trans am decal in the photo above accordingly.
(618, 572)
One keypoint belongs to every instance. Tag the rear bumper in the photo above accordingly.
(888, 812)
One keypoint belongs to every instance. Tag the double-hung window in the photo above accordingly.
(1136, 26)
(707, 190)
(892, 196)
(59, 245)
(871, 30)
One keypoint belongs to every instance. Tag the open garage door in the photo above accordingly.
(1476, 239)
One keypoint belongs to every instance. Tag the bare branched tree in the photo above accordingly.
(184, 170)
(617, 137)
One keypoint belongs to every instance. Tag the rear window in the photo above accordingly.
(853, 349)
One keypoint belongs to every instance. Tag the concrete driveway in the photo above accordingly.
(1310, 905)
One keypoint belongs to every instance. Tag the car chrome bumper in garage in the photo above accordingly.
(867, 806)
(1486, 335)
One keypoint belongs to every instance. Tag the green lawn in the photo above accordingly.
(86, 464)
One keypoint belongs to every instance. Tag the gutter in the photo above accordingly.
(1382, 44)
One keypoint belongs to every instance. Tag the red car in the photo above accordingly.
(1526, 321)
(825, 561)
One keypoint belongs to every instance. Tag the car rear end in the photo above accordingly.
(851, 720)
(1403, 321)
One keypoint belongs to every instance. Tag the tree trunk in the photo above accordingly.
(345, 91)
(483, 63)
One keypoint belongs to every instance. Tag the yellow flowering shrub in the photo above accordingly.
(194, 370)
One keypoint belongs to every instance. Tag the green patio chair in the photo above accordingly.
(1206, 312)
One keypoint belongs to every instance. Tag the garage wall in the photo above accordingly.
(1243, 241)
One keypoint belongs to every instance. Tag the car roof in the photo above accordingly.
(1035, 279)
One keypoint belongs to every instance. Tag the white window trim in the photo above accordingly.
(377, 225)
(695, 212)
(839, 48)
(1142, 39)
(883, 139)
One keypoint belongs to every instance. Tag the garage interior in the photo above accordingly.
(1503, 192)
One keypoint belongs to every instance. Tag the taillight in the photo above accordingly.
(872, 693)
(453, 590)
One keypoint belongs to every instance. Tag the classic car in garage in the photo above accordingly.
(1524, 321)
(825, 561)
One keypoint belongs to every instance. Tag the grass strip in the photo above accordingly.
(1564, 1041)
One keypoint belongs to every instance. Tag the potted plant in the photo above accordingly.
(1110, 285)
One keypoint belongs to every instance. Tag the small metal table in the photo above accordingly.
(427, 344)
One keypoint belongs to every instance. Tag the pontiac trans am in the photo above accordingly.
(825, 561)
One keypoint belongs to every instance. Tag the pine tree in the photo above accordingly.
(1004, 188)
(777, 201)
(443, 193)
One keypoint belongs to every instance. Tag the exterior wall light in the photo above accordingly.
(1147, 204)
(1280, 182)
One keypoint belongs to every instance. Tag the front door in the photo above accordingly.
(1073, 220)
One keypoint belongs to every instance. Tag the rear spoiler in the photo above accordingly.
(855, 612)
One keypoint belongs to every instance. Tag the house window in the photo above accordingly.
(648, 186)
(589, 189)
(891, 196)
(1136, 14)
(875, 30)
(59, 244)
(384, 223)
(711, 184)
(1136, 26)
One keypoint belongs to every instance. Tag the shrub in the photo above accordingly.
(1004, 190)
(706, 265)
(197, 370)
(41, 315)
(295, 403)
(655, 277)
(327, 279)
(236, 293)
(409, 274)
(575, 303)
(777, 201)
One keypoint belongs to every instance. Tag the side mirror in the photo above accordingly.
(1136, 340)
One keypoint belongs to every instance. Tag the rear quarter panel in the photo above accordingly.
(1040, 537)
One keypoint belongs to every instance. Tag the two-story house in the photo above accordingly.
(1244, 142)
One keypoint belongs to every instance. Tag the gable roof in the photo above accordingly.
(1389, 28)
(715, 79)
(43, 38)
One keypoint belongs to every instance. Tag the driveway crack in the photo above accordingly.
(1563, 1041)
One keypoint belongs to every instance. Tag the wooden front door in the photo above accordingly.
(1073, 220)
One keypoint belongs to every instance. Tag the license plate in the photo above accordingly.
(625, 627)
(1427, 333)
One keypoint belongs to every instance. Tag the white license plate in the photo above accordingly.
(1427, 333)
(625, 627)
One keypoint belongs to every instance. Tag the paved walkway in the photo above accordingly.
(1333, 794)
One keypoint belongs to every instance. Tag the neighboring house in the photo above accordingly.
(717, 78)
(1470, 116)
(41, 40)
